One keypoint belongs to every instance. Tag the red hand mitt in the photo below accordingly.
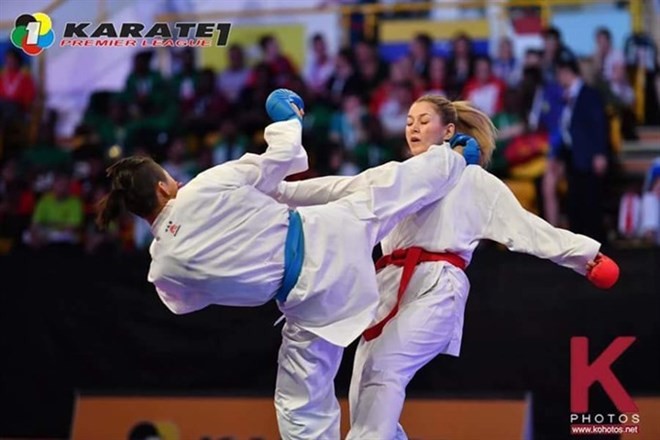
(605, 273)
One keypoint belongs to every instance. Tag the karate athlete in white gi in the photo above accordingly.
(421, 278)
(222, 239)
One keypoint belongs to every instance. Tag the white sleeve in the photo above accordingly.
(174, 295)
(174, 306)
(177, 298)
(521, 231)
(327, 189)
(317, 191)
(284, 157)
(322, 190)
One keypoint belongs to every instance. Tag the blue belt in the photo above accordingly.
(294, 251)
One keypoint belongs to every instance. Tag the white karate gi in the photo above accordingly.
(221, 241)
(430, 317)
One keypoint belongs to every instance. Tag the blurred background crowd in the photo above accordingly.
(562, 121)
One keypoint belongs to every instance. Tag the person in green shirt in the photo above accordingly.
(58, 216)
(145, 90)
(151, 107)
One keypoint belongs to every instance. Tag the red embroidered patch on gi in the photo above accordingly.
(172, 228)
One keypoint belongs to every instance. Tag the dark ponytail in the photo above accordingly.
(110, 208)
(133, 189)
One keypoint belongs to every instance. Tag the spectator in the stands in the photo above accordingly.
(208, 105)
(373, 149)
(58, 216)
(581, 147)
(650, 222)
(405, 63)
(509, 124)
(641, 55)
(279, 65)
(342, 162)
(344, 80)
(152, 110)
(437, 83)
(619, 85)
(202, 161)
(630, 215)
(484, 90)
(347, 126)
(639, 215)
(252, 112)
(145, 90)
(371, 69)
(394, 111)
(16, 84)
(542, 101)
(320, 66)
(505, 65)
(90, 174)
(47, 154)
(606, 57)
(421, 51)
(176, 164)
(17, 94)
(553, 49)
(232, 144)
(16, 203)
(533, 58)
(105, 120)
(460, 65)
(400, 71)
(236, 74)
(184, 82)
(621, 98)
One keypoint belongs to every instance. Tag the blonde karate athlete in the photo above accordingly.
(222, 239)
(421, 278)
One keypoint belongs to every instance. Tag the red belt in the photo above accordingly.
(408, 258)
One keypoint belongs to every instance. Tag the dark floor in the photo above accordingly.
(72, 323)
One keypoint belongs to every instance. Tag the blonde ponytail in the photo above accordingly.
(477, 124)
(468, 120)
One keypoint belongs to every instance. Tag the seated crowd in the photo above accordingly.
(356, 114)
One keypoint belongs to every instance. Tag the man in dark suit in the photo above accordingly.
(581, 144)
